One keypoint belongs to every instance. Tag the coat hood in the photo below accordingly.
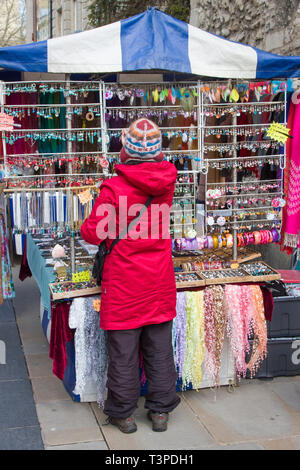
(154, 178)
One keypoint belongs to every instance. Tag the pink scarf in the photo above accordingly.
(292, 223)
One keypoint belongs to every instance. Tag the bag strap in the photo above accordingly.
(132, 223)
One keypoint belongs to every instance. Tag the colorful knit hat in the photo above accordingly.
(142, 142)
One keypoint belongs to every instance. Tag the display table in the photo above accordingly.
(88, 391)
(42, 274)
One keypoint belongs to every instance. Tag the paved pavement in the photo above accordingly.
(37, 412)
(19, 425)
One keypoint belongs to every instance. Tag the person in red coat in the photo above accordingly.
(138, 290)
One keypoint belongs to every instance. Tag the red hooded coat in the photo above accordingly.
(138, 285)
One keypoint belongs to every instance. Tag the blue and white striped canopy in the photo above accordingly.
(149, 41)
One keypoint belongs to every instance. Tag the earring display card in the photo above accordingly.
(226, 276)
(68, 290)
(253, 272)
(184, 280)
(261, 273)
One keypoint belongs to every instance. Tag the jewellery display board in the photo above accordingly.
(68, 290)
(212, 259)
(85, 146)
(174, 107)
(244, 184)
(215, 133)
(253, 273)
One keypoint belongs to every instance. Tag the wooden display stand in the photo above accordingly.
(274, 276)
(72, 294)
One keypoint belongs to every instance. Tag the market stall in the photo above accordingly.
(228, 198)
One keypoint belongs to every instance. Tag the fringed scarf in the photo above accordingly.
(179, 333)
(220, 321)
(246, 317)
(210, 334)
(259, 349)
(236, 327)
(291, 226)
(192, 370)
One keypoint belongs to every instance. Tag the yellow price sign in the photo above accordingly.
(81, 276)
(279, 132)
(85, 196)
(97, 305)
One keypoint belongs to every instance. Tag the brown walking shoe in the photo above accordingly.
(126, 425)
(159, 420)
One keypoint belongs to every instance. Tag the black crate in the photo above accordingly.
(286, 318)
(283, 358)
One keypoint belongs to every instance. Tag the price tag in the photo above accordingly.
(85, 196)
(97, 305)
(81, 276)
(278, 132)
(104, 162)
(6, 122)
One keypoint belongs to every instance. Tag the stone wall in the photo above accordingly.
(272, 25)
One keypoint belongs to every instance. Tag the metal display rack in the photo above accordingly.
(202, 108)
(233, 131)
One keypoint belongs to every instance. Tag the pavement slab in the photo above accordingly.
(185, 431)
(13, 364)
(17, 408)
(7, 313)
(96, 445)
(25, 438)
(288, 443)
(256, 415)
(30, 328)
(48, 389)
(67, 422)
(39, 365)
(36, 345)
(253, 412)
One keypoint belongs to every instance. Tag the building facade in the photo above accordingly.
(53, 18)
(272, 25)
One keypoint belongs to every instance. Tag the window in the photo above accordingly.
(75, 17)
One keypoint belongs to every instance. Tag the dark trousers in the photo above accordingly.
(123, 380)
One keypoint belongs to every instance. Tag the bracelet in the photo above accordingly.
(239, 240)
(264, 237)
(257, 238)
(178, 243)
(229, 239)
(275, 235)
(220, 241)
(215, 241)
(251, 238)
(210, 242)
(200, 243)
(270, 236)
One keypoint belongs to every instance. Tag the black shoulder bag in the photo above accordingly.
(103, 251)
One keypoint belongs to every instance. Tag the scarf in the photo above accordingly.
(292, 189)
(192, 371)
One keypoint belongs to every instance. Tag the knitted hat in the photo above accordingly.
(142, 142)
